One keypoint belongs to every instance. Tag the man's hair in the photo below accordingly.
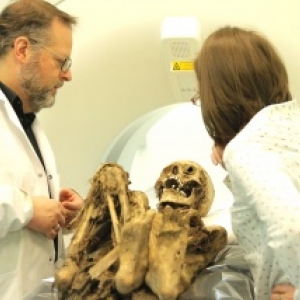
(30, 18)
(239, 73)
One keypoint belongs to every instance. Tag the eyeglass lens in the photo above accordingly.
(66, 65)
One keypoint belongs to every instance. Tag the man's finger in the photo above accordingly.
(51, 234)
(61, 220)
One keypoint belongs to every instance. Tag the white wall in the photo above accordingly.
(118, 70)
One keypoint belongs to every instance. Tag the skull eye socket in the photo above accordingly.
(189, 170)
(175, 170)
(189, 186)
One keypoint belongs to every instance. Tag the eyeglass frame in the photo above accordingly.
(196, 99)
(66, 62)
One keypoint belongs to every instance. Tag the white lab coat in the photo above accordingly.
(26, 256)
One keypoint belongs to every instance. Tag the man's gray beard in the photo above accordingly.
(38, 95)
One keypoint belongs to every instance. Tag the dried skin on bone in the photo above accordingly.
(94, 237)
(122, 249)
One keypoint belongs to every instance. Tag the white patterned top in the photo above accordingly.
(263, 163)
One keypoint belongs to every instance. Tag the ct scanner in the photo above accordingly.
(154, 140)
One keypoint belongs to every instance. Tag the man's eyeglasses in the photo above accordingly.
(66, 62)
(196, 99)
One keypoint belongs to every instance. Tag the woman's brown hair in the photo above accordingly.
(239, 73)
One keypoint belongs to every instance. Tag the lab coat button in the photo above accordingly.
(40, 175)
(50, 177)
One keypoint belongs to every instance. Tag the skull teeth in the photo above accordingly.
(183, 193)
(173, 177)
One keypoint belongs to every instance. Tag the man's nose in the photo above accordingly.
(67, 76)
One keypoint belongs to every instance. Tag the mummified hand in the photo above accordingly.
(167, 246)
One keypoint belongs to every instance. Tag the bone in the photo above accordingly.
(114, 218)
(123, 197)
(104, 263)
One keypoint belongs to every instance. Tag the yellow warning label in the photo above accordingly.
(182, 66)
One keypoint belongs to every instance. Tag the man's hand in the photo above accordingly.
(48, 216)
(283, 292)
(72, 203)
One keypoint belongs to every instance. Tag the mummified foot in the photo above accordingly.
(167, 247)
(144, 293)
(134, 252)
(65, 275)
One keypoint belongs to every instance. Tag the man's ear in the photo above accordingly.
(20, 48)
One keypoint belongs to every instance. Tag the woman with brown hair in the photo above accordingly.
(254, 122)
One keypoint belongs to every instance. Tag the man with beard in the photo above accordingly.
(35, 49)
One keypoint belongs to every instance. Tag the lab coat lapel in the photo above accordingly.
(11, 113)
(52, 175)
(48, 156)
(20, 133)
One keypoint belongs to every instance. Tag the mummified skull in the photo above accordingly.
(185, 183)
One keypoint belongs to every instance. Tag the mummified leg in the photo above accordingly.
(134, 253)
(168, 242)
